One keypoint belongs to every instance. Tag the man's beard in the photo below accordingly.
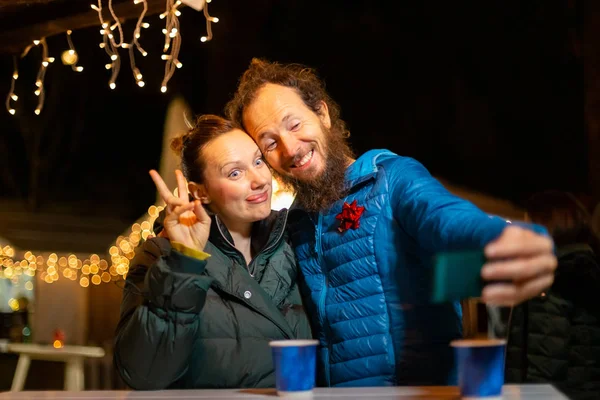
(320, 193)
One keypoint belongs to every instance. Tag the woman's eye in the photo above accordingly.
(234, 174)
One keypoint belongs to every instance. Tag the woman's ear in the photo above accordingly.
(199, 192)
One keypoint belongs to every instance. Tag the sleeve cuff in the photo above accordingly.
(200, 255)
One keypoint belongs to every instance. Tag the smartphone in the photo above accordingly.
(457, 275)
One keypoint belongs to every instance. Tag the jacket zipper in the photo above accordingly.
(322, 298)
(249, 304)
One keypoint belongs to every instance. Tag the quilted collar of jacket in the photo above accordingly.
(365, 167)
(264, 233)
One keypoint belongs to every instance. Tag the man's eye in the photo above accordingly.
(271, 146)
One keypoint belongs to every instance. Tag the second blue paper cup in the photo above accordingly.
(295, 366)
(480, 367)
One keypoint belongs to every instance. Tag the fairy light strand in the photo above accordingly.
(73, 52)
(137, 75)
(11, 94)
(172, 41)
(209, 21)
(116, 25)
(109, 45)
(39, 82)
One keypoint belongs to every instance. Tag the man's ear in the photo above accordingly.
(199, 192)
(323, 113)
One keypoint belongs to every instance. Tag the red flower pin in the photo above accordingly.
(350, 216)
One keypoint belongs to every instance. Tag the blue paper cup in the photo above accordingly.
(480, 367)
(295, 366)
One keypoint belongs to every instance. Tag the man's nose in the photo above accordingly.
(288, 146)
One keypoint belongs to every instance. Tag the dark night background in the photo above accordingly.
(488, 95)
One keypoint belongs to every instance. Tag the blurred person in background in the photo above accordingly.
(555, 337)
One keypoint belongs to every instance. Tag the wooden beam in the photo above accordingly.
(15, 41)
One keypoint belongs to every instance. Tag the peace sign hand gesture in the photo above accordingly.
(185, 222)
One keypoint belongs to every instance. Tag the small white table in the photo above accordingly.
(72, 356)
(511, 392)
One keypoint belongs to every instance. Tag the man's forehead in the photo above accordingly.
(272, 105)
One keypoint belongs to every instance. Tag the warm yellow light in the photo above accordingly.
(57, 344)
(69, 57)
(14, 97)
(12, 111)
(94, 268)
(13, 304)
(37, 111)
(29, 285)
(79, 69)
(163, 89)
(112, 85)
(203, 39)
(141, 83)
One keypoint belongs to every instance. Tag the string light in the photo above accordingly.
(172, 41)
(39, 81)
(108, 41)
(209, 21)
(70, 57)
(116, 25)
(11, 94)
(137, 75)
(92, 269)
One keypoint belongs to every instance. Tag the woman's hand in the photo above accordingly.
(185, 222)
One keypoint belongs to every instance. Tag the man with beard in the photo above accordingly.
(364, 232)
